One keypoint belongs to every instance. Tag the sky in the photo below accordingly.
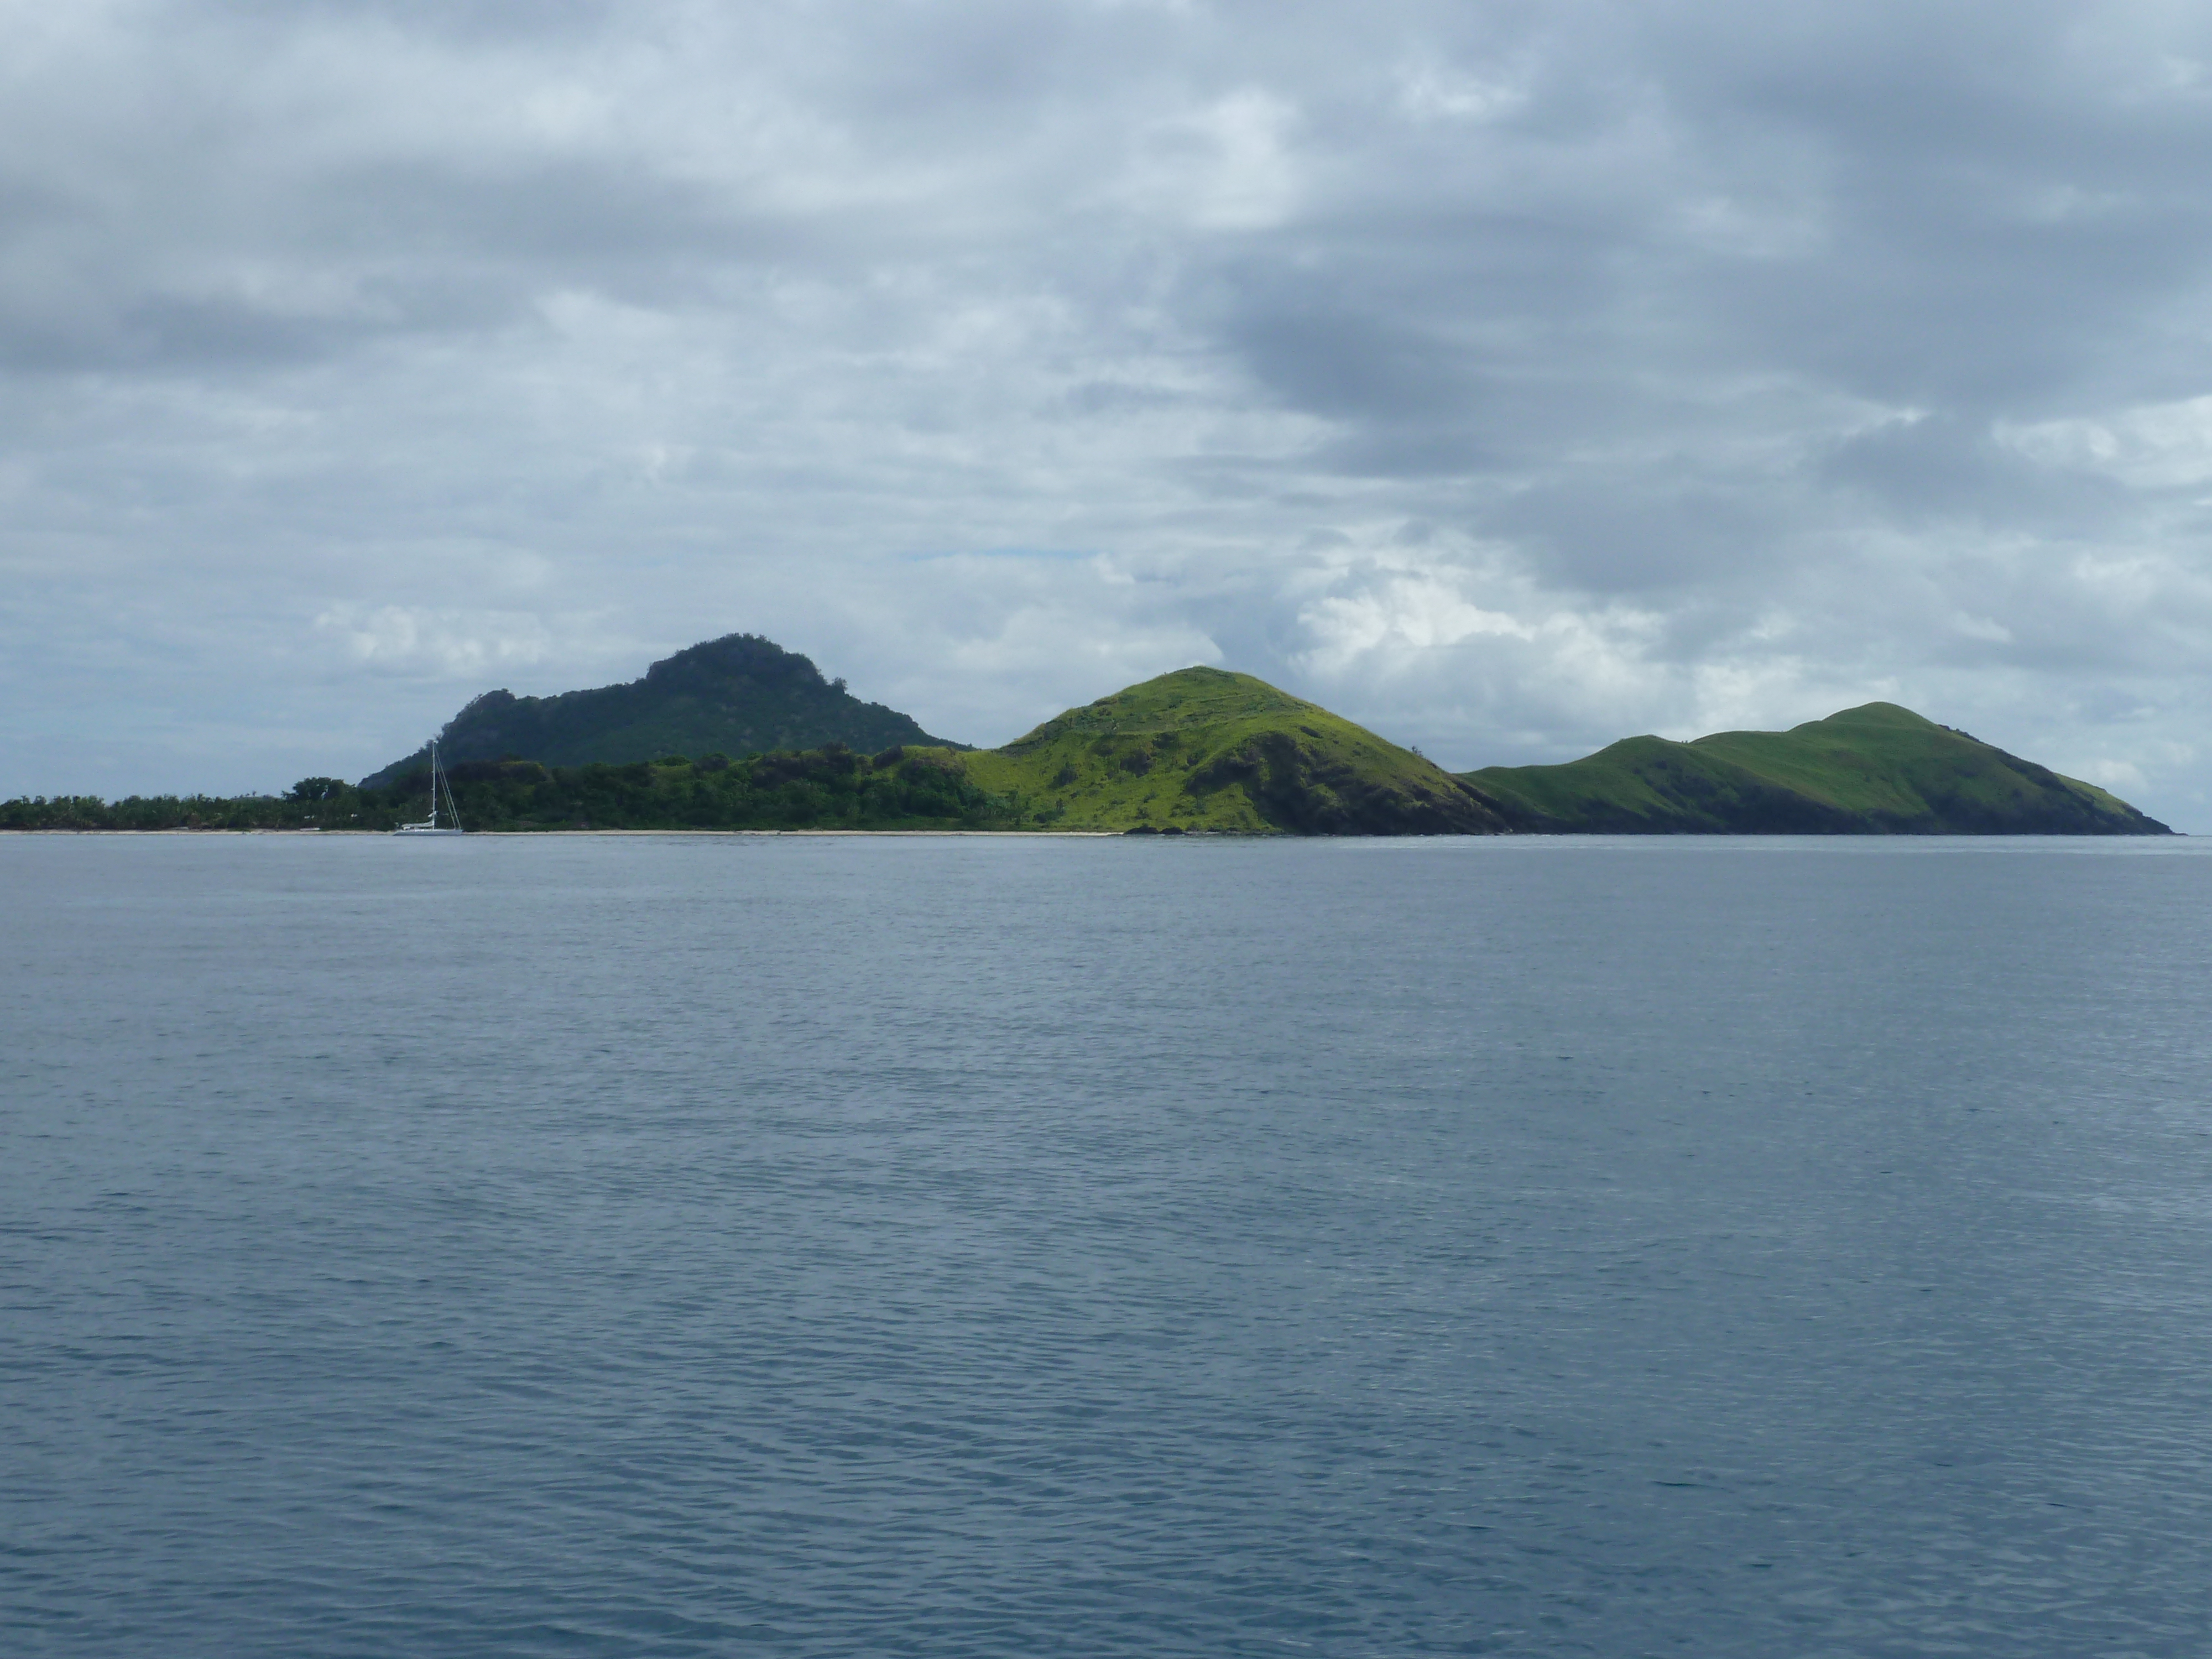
(1508, 377)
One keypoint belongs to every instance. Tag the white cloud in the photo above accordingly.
(1982, 628)
(1398, 608)
(2155, 446)
(1432, 91)
(447, 645)
(1225, 167)
(2113, 774)
(1743, 363)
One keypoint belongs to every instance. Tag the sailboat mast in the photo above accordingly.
(434, 783)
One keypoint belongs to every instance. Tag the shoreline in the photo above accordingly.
(1187, 834)
(536, 834)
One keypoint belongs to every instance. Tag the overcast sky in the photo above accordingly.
(1508, 377)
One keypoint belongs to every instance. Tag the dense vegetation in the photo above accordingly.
(1194, 752)
(1878, 769)
(740, 694)
(169, 812)
(1205, 751)
(827, 788)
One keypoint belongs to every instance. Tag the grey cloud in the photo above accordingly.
(1510, 375)
(1642, 534)
(1945, 466)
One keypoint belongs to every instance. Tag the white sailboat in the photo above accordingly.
(439, 787)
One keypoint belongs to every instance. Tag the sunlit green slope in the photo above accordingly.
(1878, 769)
(1201, 749)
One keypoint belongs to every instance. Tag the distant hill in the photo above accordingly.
(740, 734)
(1196, 751)
(740, 694)
(1877, 769)
(1203, 750)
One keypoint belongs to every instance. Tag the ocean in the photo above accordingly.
(972, 1246)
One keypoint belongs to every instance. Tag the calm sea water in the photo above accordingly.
(668, 1246)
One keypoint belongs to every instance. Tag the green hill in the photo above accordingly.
(739, 695)
(1202, 749)
(1878, 769)
(1198, 750)
(1191, 751)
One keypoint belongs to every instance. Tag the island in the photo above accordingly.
(1876, 769)
(738, 734)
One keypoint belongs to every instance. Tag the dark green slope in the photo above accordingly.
(740, 694)
(1195, 750)
(1192, 752)
(1878, 769)
(821, 789)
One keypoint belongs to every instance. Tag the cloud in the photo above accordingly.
(1512, 376)
(447, 644)
(2153, 446)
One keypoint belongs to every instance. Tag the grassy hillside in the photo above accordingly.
(740, 694)
(1878, 769)
(1202, 749)
(1196, 751)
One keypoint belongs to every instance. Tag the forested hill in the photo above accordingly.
(1196, 751)
(740, 694)
(1876, 769)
